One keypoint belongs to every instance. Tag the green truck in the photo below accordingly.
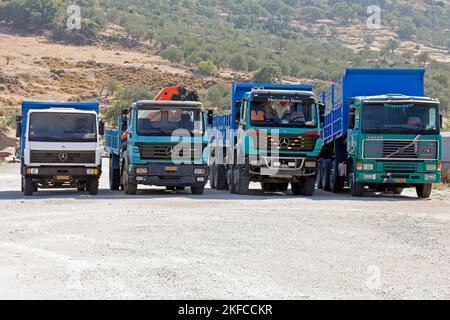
(380, 133)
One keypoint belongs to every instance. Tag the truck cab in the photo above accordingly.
(164, 145)
(60, 146)
(394, 142)
(274, 139)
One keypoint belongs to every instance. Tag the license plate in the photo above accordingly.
(171, 169)
(400, 180)
(63, 178)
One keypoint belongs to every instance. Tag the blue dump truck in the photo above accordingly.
(272, 136)
(380, 133)
(59, 146)
(159, 143)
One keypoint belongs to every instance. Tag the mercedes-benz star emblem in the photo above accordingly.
(170, 151)
(63, 157)
(285, 142)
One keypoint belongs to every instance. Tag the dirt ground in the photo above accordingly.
(161, 245)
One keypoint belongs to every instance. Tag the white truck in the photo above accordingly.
(59, 146)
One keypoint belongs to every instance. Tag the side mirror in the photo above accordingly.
(18, 126)
(124, 123)
(441, 121)
(351, 121)
(101, 128)
(321, 112)
(237, 111)
(210, 117)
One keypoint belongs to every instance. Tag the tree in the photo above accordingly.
(173, 54)
(391, 45)
(238, 62)
(423, 58)
(41, 13)
(269, 73)
(207, 68)
(406, 30)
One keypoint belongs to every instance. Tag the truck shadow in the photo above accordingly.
(155, 194)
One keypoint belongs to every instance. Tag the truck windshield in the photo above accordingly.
(283, 113)
(62, 127)
(408, 118)
(164, 122)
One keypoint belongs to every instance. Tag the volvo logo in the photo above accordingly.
(285, 143)
(63, 157)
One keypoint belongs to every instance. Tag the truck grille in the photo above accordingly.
(62, 157)
(166, 151)
(400, 167)
(292, 142)
(400, 149)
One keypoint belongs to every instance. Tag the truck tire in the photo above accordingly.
(306, 188)
(397, 190)
(93, 186)
(319, 174)
(356, 188)
(241, 179)
(198, 190)
(336, 182)
(221, 177)
(230, 179)
(325, 174)
(114, 177)
(212, 176)
(28, 187)
(424, 190)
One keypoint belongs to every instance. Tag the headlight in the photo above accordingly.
(431, 167)
(310, 164)
(370, 177)
(200, 179)
(430, 177)
(141, 170)
(32, 171)
(368, 167)
(359, 166)
(199, 171)
(92, 172)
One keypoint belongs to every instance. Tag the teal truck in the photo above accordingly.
(272, 136)
(159, 143)
(380, 133)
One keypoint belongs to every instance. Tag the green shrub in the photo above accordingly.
(206, 68)
(173, 54)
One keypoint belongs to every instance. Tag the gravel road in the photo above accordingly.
(161, 245)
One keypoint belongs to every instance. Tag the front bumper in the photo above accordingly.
(284, 167)
(169, 175)
(398, 178)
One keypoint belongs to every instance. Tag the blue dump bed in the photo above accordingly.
(223, 122)
(34, 105)
(364, 82)
(112, 141)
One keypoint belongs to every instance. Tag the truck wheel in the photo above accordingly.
(221, 177)
(356, 188)
(325, 174)
(212, 176)
(93, 186)
(198, 190)
(28, 187)
(424, 190)
(230, 179)
(397, 190)
(319, 174)
(306, 188)
(296, 189)
(241, 179)
(114, 177)
(336, 183)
